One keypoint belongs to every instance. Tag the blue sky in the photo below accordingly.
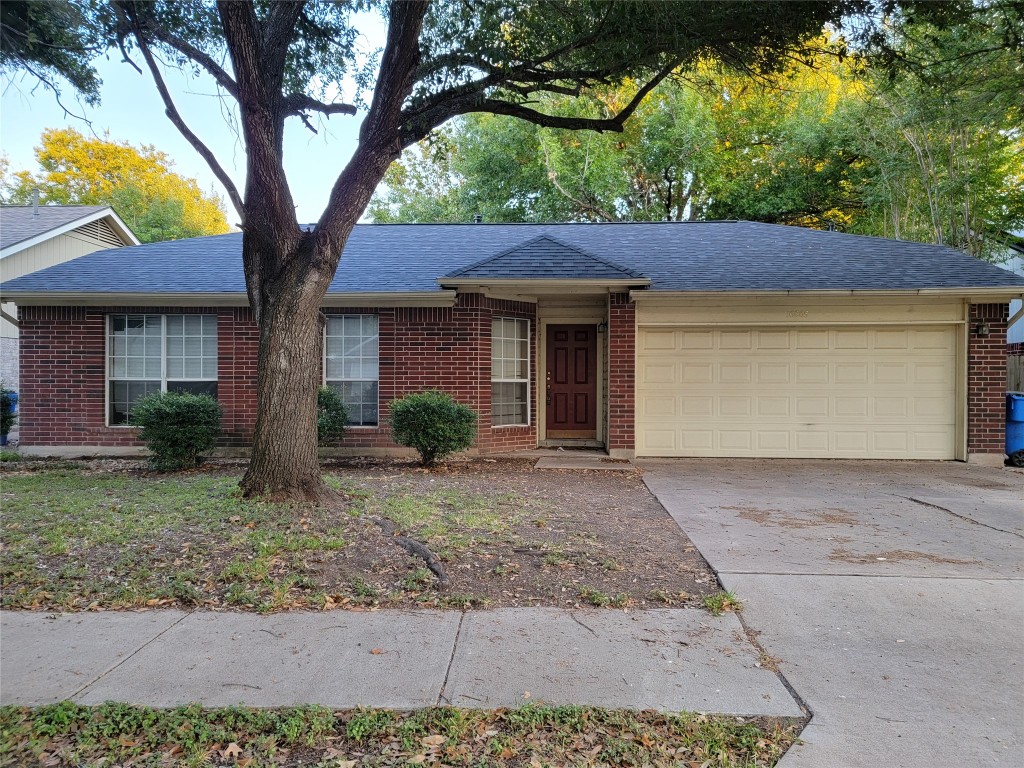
(131, 110)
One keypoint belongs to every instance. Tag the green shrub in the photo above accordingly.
(7, 415)
(331, 416)
(432, 423)
(177, 427)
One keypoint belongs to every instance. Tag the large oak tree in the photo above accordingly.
(281, 60)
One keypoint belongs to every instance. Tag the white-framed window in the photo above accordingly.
(351, 365)
(158, 353)
(510, 372)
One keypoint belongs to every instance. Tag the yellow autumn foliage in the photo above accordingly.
(138, 182)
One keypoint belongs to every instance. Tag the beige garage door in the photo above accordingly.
(886, 392)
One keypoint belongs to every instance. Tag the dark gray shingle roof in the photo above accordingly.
(544, 257)
(688, 256)
(21, 222)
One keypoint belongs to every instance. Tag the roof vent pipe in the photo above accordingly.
(35, 201)
(477, 218)
(831, 226)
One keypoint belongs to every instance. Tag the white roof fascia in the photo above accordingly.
(116, 223)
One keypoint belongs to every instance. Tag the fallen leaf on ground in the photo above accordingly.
(231, 750)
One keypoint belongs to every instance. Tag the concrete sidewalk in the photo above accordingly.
(673, 660)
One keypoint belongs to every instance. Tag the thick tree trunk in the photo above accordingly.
(284, 464)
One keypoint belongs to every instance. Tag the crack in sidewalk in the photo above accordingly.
(441, 698)
(965, 518)
(131, 655)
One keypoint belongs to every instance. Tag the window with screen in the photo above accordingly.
(351, 365)
(510, 372)
(158, 353)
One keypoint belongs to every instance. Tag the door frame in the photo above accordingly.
(560, 316)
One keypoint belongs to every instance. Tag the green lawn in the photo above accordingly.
(68, 734)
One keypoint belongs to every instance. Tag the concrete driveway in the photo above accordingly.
(892, 592)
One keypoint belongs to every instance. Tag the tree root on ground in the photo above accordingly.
(417, 549)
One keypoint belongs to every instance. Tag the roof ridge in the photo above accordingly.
(538, 238)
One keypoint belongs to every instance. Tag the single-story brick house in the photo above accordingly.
(731, 339)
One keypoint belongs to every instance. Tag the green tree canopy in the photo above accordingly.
(138, 182)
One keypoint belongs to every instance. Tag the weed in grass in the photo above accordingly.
(720, 602)
(611, 564)
(361, 589)
(595, 597)
(506, 569)
(417, 580)
(556, 558)
(9, 455)
(462, 602)
(366, 723)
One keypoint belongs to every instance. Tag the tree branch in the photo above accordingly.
(379, 141)
(278, 31)
(179, 123)
(298, 103)
(419, 125)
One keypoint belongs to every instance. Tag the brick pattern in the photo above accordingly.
(63, 370)
(1014, 349)
(986, 380)
(621, 372)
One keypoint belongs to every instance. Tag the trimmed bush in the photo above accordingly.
(331, 416)
(7, 415)
(177, 427)
(432, 423)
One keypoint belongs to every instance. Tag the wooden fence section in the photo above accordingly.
(1015, 373)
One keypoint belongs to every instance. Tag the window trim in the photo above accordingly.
(527, 380)
(323, 363)
(107, 378)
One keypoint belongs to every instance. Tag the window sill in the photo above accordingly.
(511, 426)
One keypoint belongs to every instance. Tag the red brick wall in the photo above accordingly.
(621, 372)
(448, 348)
(986, 380)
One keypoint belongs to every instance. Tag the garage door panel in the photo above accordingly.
(734, 340)
(697, 373)
(698, 406)
(812, 373)
(820, 392)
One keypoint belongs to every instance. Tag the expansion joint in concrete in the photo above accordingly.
(441, 698)
(751, 635)
(149, 642)
(965, 518)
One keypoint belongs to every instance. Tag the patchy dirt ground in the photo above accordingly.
(110, 534)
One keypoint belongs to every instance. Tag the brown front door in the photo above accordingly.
(572, 382)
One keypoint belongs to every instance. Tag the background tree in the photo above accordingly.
(138, 182)
(440, 60)
(927, 151)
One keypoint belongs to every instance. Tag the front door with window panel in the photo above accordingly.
(571, 382)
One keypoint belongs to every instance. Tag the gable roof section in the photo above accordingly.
(22, 226)
(545, 258)
(678, 257)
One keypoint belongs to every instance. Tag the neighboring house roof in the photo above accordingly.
(22, 226)
(545, 258)
(674, 256)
